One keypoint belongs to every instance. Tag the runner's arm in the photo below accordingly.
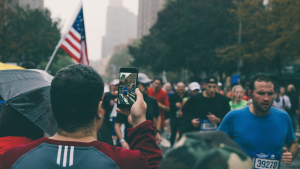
(157, 122)
(118, 130)
(163, 107)
(294, 148)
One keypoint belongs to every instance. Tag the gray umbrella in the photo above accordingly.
(28, 91)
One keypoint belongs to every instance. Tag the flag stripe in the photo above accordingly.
(84, 59)
(76, 48)
(73, 41)
(75, 33)
(74, 37)
(65, 156)
(71, 49)
(70, 53)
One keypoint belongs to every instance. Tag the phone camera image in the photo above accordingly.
(127, 88)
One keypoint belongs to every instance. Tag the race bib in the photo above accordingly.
(265, 160)
(206, 125)
(177, 113)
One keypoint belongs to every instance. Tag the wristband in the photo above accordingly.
(121, 141)
(158, 131)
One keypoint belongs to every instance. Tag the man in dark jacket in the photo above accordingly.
(205, 111)
(75, 142)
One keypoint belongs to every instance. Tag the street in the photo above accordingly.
(127, 100)
(165, 146)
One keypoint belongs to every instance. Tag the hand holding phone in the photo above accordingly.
(127, 86)
(137, 113)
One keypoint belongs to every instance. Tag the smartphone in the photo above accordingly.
(127, 85)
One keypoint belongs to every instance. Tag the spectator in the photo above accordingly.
(28, 65)
(237, 94)
(210, 150)
(108, 103)
(294, 110)
(168, 89)
(281, 101)
(75, 142)
(219, 89)
(285, 98)
(16, 129)
(175, 107)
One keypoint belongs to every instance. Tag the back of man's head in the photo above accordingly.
(75, 95)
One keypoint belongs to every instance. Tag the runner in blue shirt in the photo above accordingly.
(261, 130)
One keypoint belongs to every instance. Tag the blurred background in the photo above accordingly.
(178, 40)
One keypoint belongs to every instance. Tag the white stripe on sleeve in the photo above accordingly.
(65, 156)
(58, 155)
(71, 156)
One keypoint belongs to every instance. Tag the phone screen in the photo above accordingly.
(127, 86)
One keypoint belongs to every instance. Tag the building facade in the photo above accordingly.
(147, 16)
(120, 27)
(32, 4)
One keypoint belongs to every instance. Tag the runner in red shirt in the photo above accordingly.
(162, 99)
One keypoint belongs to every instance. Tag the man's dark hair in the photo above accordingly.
(158, 78)
(28, 65)
(14, 123)
(260, 78)
(75, 94)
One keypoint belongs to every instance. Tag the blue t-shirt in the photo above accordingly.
(255, 134)
(125, 89)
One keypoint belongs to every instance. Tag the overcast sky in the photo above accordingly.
(94, 12)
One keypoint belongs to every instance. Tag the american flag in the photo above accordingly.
(74, 43)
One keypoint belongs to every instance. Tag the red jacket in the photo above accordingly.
(11, 141)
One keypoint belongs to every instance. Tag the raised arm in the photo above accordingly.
(142, 135)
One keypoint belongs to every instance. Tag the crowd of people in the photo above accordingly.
(206, 127)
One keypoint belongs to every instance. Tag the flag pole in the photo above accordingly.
(63, 37)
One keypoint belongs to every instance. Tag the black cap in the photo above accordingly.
(211, 79)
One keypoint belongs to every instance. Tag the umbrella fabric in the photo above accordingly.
(28, 91)
(6, 66)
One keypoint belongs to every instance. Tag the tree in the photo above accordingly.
(60, 61)
(270, 35)
(31, 33)
(186, 35)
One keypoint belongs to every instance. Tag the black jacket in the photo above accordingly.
(199, 106)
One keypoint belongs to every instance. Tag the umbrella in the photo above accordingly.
(28, 91)
(6, 66)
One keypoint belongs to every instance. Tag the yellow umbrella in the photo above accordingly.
(6, 66)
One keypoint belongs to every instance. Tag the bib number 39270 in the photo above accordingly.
(265, 160)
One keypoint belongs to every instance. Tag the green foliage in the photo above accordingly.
(27, 32)
(60, 61)
(186, 35)
(270, 35)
